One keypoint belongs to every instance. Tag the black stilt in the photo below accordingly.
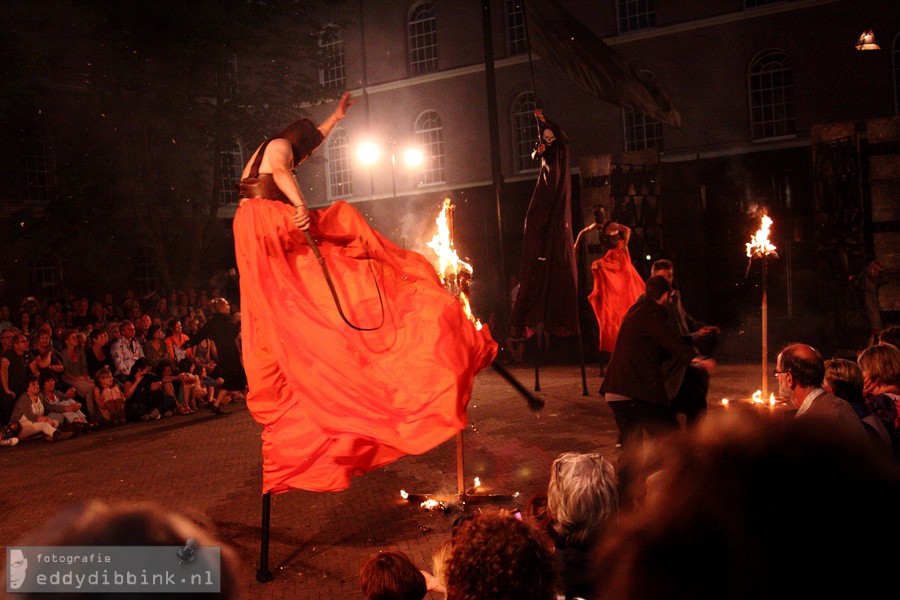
(537, 359)
(263, 574)
(584, 387)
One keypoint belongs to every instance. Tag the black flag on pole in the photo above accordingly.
(560, 38)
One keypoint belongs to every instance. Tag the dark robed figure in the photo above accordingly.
(547, 276)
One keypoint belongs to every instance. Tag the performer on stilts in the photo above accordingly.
(617, 284)
(547, 296)
(350, 378)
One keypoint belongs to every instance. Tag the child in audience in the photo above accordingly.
(109, 398)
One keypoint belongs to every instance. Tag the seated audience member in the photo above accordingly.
(880, 366)
(891, 336)
(582, 500)
(193, 392)
(97, 353)
(96, 523)
(155, 346)
(75, 370)
(109, 398)
(800, 372)
(175, 340)
(391, 576)
(46, 356)
(15, 369)
(499, 557)
(746, 508)
(125, 351)
(844, 380)
(29, 413)
(165, 371)
(143, 393)
(60, 407)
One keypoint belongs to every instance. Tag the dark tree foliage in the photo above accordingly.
(137, 99)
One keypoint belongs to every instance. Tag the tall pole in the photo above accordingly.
(765, 331)
(494, 131)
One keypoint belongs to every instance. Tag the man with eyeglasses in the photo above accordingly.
(800, 372)
(14, 372)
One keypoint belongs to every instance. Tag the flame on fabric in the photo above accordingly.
(456, 274)
(759, 245)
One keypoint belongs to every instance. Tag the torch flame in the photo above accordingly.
(772, 400)
(759, 245)
(455, 273)
(404, 494)
(757, 397)
(477, 482)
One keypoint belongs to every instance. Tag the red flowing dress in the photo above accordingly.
(617, 285)
(335, 402)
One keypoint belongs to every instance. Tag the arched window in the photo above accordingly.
(524, 130)
(231, 163)
(896, 55)
(422, 35)
(331, 47)
(430, 137)
(771, 86)
(516, 40)
(641, 132)
(340, 184)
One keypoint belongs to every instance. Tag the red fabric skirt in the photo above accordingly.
(617, 285)
(335, 402)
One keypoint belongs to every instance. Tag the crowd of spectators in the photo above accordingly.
(740, 505)
(71, 366)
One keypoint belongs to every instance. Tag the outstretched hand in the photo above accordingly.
(345, 102)
(539, 115)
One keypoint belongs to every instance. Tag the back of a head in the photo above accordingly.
(391, 576)
(743, 509)
(498, 557)
(656, 287)
(96, 523)
(891, 336)
(805, 365)
(582, 496)
(881, 364)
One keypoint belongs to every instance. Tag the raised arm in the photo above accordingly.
(590, 227)
(339, 113)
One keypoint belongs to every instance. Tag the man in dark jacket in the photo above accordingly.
(634, 384)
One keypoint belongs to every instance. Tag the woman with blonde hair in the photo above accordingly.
(880, 367)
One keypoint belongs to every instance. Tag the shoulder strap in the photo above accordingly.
(254, 169)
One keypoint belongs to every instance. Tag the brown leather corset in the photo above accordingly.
(261, 186)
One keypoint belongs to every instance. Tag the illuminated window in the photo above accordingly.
(636, 14)
(430, 137)
(771, 86)
(516, 39)
(422, 34)
(340, 184)
(525, 130)
(45, 273)
(331, 75)
(641, 132)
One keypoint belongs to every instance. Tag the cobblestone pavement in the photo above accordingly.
(211, 468)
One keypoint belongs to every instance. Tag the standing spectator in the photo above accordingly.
(125, 351)
(7, 338)
(15, 370)
(634, 383)
(872, 277)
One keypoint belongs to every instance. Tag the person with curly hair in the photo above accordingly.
(498, 557)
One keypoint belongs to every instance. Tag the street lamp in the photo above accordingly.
(368, 153)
